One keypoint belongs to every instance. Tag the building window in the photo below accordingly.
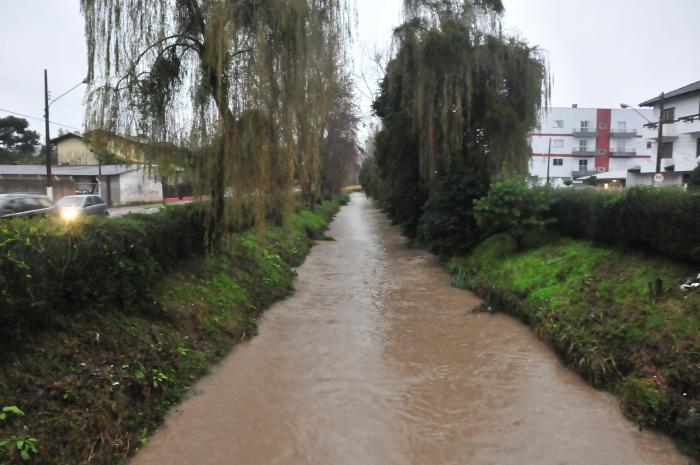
(560, 161)
(620, 146)
(583, 165)
(601, 151)
(669, 114)
(667, 150)
(558, 123)
(582, 145)
(648, 145)
(558, 144)
(622, 126)
(603, 125)
(697, 149)
(584, 126)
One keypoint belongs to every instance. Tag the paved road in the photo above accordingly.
(376, 360)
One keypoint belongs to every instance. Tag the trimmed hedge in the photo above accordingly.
(662, 221)
(49, 268)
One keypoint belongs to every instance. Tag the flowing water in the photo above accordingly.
(376, 360)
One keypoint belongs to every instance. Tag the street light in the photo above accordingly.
(625, 106)
(47, 104)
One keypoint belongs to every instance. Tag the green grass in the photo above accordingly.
(598, 309)
(93, 388)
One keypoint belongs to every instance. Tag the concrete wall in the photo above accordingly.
(61, 187)
(74, 151)
(138, 186)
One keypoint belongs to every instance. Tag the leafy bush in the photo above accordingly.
(48, 268)
(664, 221)
(447, 225)
(512, 207)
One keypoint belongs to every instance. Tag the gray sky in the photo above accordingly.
(600, 52)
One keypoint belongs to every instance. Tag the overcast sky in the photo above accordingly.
(600, 52)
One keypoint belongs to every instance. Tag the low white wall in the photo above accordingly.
(138, 186)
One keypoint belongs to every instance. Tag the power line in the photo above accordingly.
(39, 119)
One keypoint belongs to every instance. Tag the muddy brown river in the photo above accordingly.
(376, 360)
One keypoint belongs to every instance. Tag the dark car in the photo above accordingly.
(24, 205)
(73, 206)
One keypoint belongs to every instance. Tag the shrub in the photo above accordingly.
(447, 225)
(49, 269)
(512, 207)
(664, 221)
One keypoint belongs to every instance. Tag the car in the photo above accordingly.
(24, 205)
(72, 206)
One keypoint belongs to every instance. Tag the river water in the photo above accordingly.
(376, 360)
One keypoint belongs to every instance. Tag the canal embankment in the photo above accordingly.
(622, 319)
(91, 379)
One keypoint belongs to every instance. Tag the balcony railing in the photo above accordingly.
(583, 152)
(584, 132)
(623, 133)
(623, 152)
(582, 173)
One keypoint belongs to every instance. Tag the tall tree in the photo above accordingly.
(457, 97)
(16, 136)
(242, 83)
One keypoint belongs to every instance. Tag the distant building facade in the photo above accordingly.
(587, 142)
(117, 184)
(680, 144)
(72, 150)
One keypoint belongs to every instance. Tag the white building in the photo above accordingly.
(588, 141)
(680, 144)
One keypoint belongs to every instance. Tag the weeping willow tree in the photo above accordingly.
(242, 85)
(456, 104)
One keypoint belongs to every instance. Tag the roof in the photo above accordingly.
(73, 170)
(69, 135)
(694, 87)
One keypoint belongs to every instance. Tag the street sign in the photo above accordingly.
(658, 178)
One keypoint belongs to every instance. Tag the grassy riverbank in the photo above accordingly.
(93, 388)
(601, 310)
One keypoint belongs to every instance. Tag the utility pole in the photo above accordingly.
(661, 134)
(49, 184)
(549, 159)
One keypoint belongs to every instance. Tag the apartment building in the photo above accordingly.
(589, 141)
(680, 144)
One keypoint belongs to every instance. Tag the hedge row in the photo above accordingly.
(662, 221)
(49, 268)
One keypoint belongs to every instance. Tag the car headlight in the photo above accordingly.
(69, 213)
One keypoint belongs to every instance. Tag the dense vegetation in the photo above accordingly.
(91, 388)
(456, 104)
(602, 311)
(252, 96)
(662, 221)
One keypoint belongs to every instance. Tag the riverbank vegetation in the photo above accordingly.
(89, 382)
(617, 317)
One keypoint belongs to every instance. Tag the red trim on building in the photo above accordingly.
(560, 155)
(602, 140)
(550, 134)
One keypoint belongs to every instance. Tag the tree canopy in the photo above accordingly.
(247, 87)
(18, 143)
(458, 97)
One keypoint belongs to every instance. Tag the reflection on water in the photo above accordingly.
(377, 360)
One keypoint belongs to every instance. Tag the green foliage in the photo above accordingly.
(15, 135)
(694, 178)
(512, 207)
(663, 221)
(597, 308)
(50, 270)
(448, 225)
(456, 97)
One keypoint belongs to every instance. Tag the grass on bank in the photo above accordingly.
(93, 388)
(601, 310)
